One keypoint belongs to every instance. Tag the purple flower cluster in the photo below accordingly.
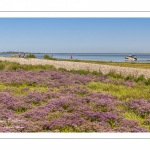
(128, 83)
(130, 126)
(47, 78)
(102, 102)
(53, 78)
(62, 113)
(140, 107)
(70, 108)
(78, 90)
(13, 103)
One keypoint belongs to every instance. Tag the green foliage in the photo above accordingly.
(21, 110)
(42, 67)
(32, 84)
(8, 123)
(129, 78)
(96, 73)
(85, 72)
(112, 123)
(54, 115)
(5, 65)
(62, 69)
(2, 66)
(67, 129)
(147, 82)
(129, 115)
(141, 78)
(122, 92)
(30, 56)
(16, 66)
(46, 56)
(115, 75)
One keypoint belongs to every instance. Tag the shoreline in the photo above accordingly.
(105, 69)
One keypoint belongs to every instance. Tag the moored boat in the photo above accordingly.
(131, 58)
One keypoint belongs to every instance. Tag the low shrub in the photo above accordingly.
(85, 72)
(141, 78)
(115, 75)
(30, 56)
(46, 56)
(129, 78)
(16, 66)
(62, 69)
(2, 66)
(147, 82)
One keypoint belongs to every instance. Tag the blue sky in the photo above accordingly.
(75, 35)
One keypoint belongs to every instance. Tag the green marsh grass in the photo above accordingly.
(114, 75)
(4, 65)
(133, 116)
(56, 114)
(19, 89)
(122, 92)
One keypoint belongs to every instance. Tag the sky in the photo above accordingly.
(75, 35)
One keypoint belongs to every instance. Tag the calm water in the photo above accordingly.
(115, 57)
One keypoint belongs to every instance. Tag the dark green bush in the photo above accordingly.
(141, 78)
(46, 56)
(80, 71)
(115, 75)
(30, 56)
(129, 78)
(147, 82)
(2, 66)
(63, 69)
(95, 73)
(16, 66)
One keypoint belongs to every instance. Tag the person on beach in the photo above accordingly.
(19, 54)
(71, 57)
(23, 55)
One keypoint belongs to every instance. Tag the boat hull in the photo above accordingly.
(130, 58)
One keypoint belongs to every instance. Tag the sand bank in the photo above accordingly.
(125, 71)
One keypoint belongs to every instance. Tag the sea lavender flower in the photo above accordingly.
(140, 107)
(130, 126)
(128, 83)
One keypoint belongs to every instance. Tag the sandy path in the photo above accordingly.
(125, 71)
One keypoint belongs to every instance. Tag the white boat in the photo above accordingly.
(131, 58)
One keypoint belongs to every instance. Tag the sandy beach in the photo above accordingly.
(125, 71)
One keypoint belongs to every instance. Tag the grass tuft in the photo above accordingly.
(46, 56)
(30, 56)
